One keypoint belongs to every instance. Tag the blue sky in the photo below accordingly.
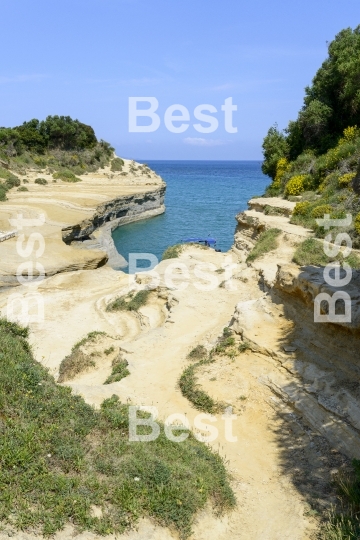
(86, 58)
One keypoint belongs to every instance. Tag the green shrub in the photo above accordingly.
(319, 211)
(346, 179)
(3, 191)
(266, 242)
(12, 182)
(357, 223)
(22, 188)
(198, 353)
(41, 181)
(296, 185)
(301, 208)
(66, 176)
(119, 370)
(60, 457)
(190, 389)
(117, 164)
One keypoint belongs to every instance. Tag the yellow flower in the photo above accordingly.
(296, 185)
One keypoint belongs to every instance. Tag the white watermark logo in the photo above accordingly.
(28, 307)
(177, 426)
(177, 116)
(177, 275)
(342, 275)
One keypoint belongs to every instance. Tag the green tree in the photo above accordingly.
(275, 146)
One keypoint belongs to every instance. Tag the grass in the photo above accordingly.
(344, 524)
(59, 457)
(267, 241)
(244, 346)
(311, 253)
(119, 370)
(172, 252)
(129, 303)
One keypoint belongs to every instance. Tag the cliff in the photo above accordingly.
(74, 212)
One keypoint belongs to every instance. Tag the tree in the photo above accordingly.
(275, 146)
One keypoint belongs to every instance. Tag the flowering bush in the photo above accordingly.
(345, 179)
(321, 210)
(301, 208)
(357, 224)
(296, 185)
(350, 133)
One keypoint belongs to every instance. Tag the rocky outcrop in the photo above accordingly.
(272, 205)
(247, 231)
(118, 211)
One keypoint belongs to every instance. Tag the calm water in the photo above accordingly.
(202, 198)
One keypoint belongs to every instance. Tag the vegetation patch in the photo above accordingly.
(129, 302)
(59, 457)
(267, 241)
(188, 382)
(172, 252)
(198, 353)
(41, 181)
(116, 164)
(66, 176)
(344, 523)
(119, 370)
(78, 361)
(22, 188)
(311, 253)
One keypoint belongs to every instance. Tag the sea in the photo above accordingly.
(202, 199)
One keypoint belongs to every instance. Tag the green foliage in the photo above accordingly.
(59, 457)
(311, 253)
(191, 390)
(129, 303)
(22, 188)
(116, 164)
(172, 252)
(119, 370)
(344, 523)
(297, 185)
(275, 147)
(301, 208)
(266, 242)
(66, 176)
(331, 104)
(198, 353)
(41, 181)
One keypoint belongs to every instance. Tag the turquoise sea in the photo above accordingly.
(202, 198)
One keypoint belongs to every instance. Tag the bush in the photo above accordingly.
(296, 185)
(66, 176)
(22, 188)
(345, 179)
(3, 191)
(119, 370)
(198, 353)
(41, 181)
(117, 164)
(357, 223)
(265, 243)
(310, 252)
(319, 211)
(301, 208)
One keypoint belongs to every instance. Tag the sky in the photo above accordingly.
(86, 59)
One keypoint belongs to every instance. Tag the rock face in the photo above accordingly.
(247, 231)
(118, 211)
